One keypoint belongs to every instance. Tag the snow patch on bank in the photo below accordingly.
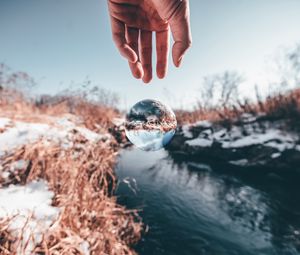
(186, 131)
(4, 122)
(272, 138)
(239, 137)
(200, 142)
(22, 133)
(31, 207)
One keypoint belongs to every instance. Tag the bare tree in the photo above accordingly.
(288, 68)
(15, 80)
(220, 89)
(294, 61)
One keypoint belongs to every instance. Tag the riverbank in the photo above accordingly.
(264, 137)
(57, 179)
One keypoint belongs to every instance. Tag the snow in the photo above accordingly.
(118, 121)
(199, 142)
(32, 207)
(240, 162)
(85, 247)
(4, 122)
(248, 118)
(87, 133)
(186, 128)
(235, 138)
(20, 164)
(186, 131)
(261, 138)
(276, 155)
(203, 123)
(280, 146)
(22, 133)
(5, 175)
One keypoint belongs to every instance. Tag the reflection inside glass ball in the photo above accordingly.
(150, 125)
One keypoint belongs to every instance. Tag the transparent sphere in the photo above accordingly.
(150, 125)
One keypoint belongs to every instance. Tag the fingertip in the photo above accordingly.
(130, 54)
(136, 70)
(178, 51)
(147, 79)
(161, 74)
(139, 71)
(138, 75)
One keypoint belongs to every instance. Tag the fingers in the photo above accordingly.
(162, 51)
(118, 34)
(180, 28)
(132, 37)
(146, 54)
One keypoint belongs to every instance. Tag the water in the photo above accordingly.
(150, 125)
(191, 208)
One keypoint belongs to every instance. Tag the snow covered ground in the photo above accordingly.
(239, 137)
(19, 133)
(247, 142)
(30, 205)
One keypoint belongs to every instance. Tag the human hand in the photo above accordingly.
(132, 23)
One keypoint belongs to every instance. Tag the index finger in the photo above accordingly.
(118, 34)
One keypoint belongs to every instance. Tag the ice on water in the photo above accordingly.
(150, 125)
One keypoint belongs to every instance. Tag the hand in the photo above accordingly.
(132, 23)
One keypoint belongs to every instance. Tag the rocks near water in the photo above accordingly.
(248, 143)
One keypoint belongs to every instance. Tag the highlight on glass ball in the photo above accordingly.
(150, 125)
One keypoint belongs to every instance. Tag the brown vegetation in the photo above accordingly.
(277, 107)
(81, 177)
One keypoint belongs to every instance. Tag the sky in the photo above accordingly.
(63, 41)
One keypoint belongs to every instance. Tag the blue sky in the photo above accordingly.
(60, 41)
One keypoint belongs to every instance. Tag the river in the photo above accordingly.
(192, 208)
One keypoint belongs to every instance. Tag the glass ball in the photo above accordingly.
(150, 125)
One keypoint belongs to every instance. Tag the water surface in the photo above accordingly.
(192, 208)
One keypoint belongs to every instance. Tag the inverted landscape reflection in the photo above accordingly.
(150, 125)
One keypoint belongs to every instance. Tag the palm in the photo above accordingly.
(142, 16)
(133, 22)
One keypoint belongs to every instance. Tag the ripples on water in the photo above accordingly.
(191, 208)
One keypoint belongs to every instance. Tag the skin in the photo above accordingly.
(132, 24)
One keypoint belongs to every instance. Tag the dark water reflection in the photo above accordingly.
(191, 208)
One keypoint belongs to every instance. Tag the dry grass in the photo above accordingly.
(96, 117)
(276, 107)
(81, 177)
(6, 238)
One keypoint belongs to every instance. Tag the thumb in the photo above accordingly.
(180, 27)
